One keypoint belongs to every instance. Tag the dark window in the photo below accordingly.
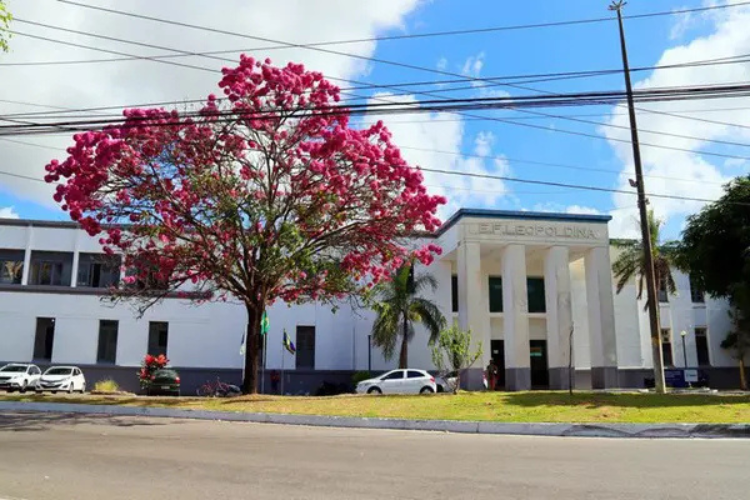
(305, 347)
(51, 268)
(397, 375)
(535, 291)
(662, 292)
(107, 341)
(666, 346)
(97, 271)
(496, 294)
(158, 336)
(413, 374)
(45, 338)
(454, 293)
(696, 294)
(11, 267)
(701, 346)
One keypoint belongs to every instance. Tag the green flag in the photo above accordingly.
(264, 323)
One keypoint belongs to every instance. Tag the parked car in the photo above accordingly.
(448, 383)
(62, 378)
(164, 381)
(19, 376)
(399, 382)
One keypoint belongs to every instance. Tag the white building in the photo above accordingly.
(520, 280)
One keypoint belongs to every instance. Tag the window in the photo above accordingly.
(535, 291)
(701, 346)
(11, 267)
(662, 292)
(414, 374)
(158, 335)
(107, 341)
(397, 375)
(44, 339)
(454, 293)
(666, 345)
(35, 370)
(696, 293)
(496, 294)
(305, 347)
(97, 271)
(51, 268)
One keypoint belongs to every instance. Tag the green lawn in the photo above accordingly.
(498, 407)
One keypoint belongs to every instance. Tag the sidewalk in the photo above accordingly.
(523, 429)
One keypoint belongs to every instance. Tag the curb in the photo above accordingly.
(464, 427)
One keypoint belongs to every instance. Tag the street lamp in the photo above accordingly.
(683, 334)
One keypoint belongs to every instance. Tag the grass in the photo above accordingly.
(106, 385)
(484, 406)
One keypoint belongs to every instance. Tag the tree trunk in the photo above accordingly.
(657, 353)
(403, 359)
(743, 375)
(250, 382)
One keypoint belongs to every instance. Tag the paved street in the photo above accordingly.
(80, 458)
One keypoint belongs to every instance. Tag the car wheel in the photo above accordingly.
(426, 390)
(10, 390)
(374, 390)
(83, 388)
(22, 390)
(440, 388)
(70, 388)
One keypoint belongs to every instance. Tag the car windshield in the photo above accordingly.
(13, 368)
(165, 373)
(59, 371)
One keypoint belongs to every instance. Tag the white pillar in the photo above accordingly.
(559, 315)
(27, 255)
(601, 315)
(471, 309)
(516, 319)
(76, 256)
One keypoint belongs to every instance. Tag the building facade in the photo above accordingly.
(536, 289)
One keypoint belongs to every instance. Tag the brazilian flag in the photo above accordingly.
(264, 323)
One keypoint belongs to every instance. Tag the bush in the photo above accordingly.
(359, 377)
(106, 385)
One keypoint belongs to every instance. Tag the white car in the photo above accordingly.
(399, 382)
(62, 378)
(17, 376)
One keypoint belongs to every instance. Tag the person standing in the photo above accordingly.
(491, 375)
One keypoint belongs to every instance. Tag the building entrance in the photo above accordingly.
(539, 369)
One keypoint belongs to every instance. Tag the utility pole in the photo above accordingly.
(653, 312)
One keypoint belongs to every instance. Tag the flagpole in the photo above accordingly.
(282, 365)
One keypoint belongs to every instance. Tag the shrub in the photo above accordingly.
(106, 385)
(359, 377)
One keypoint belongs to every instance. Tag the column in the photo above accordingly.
(516, 320)
(601, 315)
(76, 256)
(471, 309)
(559, 316)
(27, 255)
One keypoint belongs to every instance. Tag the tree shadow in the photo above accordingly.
(629, 400)
(34, 421)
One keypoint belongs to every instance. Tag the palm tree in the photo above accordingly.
(399, 307)
(632, 261)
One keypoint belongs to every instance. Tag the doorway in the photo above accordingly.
(539, 370)
(498, 356)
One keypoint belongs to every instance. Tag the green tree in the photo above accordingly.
(399, 306)
(716, 242)
(738, 340)
(5, 19)
(715, 249)
(452, 352)
(631, 263)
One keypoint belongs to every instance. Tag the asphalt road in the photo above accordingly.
(80, 458)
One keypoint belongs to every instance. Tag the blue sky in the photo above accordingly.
(502, 148)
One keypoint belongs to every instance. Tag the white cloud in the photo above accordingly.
(581, 210)
(472, 68)
(686, 173)
(8, 213)
(434, 141)
(106, 84)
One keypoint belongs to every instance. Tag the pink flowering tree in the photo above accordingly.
(268, 194)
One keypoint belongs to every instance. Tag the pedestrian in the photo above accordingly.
(491, 375)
